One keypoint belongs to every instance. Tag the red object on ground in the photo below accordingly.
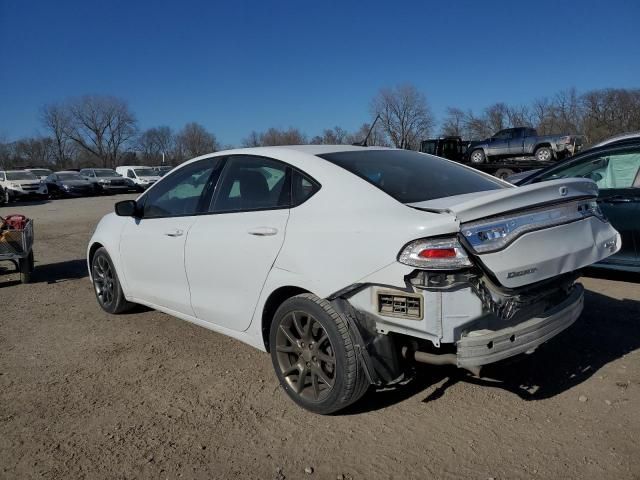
(15, 221)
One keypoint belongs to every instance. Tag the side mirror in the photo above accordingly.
(126, 208)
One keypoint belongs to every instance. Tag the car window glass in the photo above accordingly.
(303, 187)
(252, 183)
(612, 170)
(130, 174)
(503, 135)
(412, 177)
(180, 193)
(2, 177)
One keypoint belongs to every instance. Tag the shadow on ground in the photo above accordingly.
(60, 272)
(607, 330)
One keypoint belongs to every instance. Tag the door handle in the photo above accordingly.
(175, 233)
(263, 231)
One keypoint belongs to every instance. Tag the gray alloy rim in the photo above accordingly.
(305, 356)
(543, 155)
(103, 280)
(476, 157)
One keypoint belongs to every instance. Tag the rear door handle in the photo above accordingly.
(175, 233)
(263, 231)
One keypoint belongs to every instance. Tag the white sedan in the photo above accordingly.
(347, 264)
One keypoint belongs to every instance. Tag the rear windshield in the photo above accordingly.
(106, 173)
(412, 177)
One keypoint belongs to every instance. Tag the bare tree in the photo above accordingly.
(454, 123)
(331, 136)
(252, 140)
(34, 152)
(194, 140)
(156, 143)
(404, 115)
(55, 118)
(99, 125)
(275, 136)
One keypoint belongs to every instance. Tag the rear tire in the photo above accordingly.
(544, 154)
(106, 284)
(477, 156)
(314, 356)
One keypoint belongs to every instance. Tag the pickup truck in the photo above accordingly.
(523, 142)
(456, 149)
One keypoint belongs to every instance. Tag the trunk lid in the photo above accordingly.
(523, 235)
(473, 206)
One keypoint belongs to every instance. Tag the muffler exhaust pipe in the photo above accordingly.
(435, 359)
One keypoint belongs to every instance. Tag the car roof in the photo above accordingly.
(618, 138)
(67, 171)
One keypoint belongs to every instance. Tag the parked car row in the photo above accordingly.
(43, 183)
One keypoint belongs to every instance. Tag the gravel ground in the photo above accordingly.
(144, 395)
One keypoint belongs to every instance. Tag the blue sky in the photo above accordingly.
(238, 66)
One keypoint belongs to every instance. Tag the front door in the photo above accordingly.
(152, 247)
(230, 252)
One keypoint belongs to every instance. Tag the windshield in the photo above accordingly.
(146, 172)
(106, 173)
(41, 171)
(412, 177)
(69, 176)
(21, 176)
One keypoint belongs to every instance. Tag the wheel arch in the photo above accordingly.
(541, 145)
(273, 302)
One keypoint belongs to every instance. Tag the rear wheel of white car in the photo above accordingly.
(314, 356)
(477, 156)
(106, 284)
(544, 154)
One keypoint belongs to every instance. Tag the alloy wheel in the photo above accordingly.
(103, 280)
(305, 356)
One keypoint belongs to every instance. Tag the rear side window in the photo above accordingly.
(252, 183)
(412, 177)
(302, 188)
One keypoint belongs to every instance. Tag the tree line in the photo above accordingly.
(98, 130)
(596, 114)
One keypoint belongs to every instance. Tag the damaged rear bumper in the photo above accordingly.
(483, 347)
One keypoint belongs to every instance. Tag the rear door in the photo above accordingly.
(230, 251)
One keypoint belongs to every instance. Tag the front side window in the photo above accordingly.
(412, 177)
(146, 172)
(183, 192)
(503, 135)
(608, 170)
(252, 183)
(130, 174)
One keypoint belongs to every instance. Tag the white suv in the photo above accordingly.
(21, 184)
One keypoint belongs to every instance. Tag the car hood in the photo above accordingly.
(25, 182)
(76, 183)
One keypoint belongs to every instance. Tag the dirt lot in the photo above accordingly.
(144, 395)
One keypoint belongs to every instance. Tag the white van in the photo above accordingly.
(142, 176)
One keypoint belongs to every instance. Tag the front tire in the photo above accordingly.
(106, 284)
(314, 356)
(478, 156)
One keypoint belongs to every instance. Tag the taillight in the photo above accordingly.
(437, 254)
